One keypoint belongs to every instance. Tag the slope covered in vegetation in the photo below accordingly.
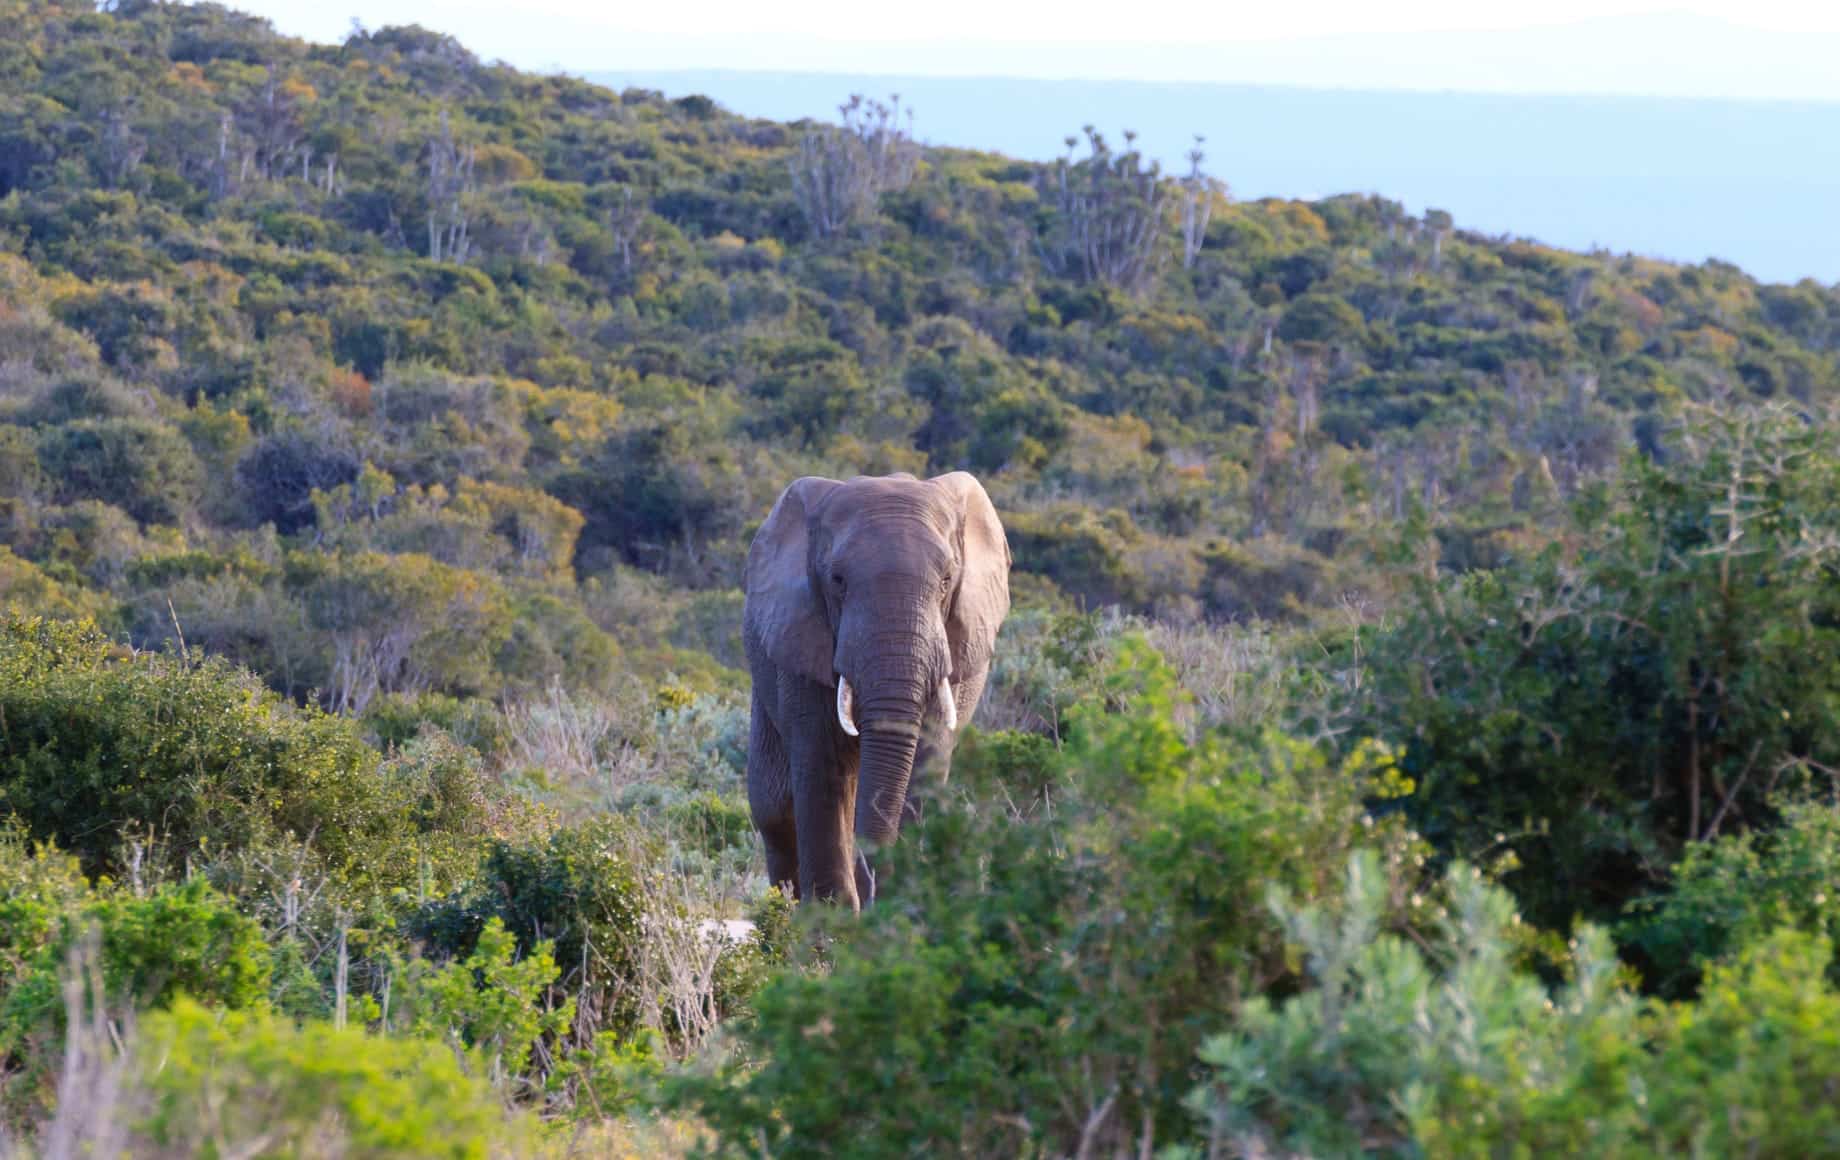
(398, 423)
(540, 332)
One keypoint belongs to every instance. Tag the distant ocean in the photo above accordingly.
(1755, 183)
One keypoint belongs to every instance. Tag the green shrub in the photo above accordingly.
(277, 476)
(1087, 555)
(1602, 705)
(218, 1084)
(1267, 579)
(195, 757)
(576, 888)
(447, 804)
(42, 895)
(396, 623)
(1732, 892)
(176, 939)
(998, 764)
(1046, 662)
(181, 940)
(616, 1077)
(1752, 1067)
(745, 968)
(1452, 1047)
(38, 885)
(553, 641)
(95, 540)
(711, 824)
(395, 719)
(27, 590)
(1033, 975)
(494, 1003)
(142, 467)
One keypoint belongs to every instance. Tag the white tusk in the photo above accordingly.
(846, 707)
(949, 704)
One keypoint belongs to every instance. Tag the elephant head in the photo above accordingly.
(891, 590)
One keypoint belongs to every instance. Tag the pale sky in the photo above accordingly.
(1754, 48)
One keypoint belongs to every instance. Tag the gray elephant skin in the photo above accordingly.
(872, 607)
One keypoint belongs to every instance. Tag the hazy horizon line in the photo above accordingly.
(600, 75)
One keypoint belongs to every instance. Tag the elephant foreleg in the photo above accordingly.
(823, 792)
(824, 810)
(781, 841)
(769, 780)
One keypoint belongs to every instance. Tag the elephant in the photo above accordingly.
(870, 611)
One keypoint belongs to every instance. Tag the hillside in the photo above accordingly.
(1405, 620)
(233, 280)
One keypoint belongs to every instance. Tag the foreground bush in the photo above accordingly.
(220, 1084)
(1451, 1048)
(1393, 1046)
(1036, 978)
(182, 939)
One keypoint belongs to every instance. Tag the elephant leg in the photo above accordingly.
(781, 841)
(824, 814)
(769, 780)
(823, 793)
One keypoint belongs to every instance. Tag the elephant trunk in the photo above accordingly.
(892, 656)
(887, 768)
(898, 681)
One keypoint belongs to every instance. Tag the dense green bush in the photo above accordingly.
(1088, 554)
(494, 1003)
(400, 623)
(1454, 1040)
(142, 467)
(576, 889)
(218, 1083)
(1732, 892)
(1599, 705)
(193, 761)
(1453, 1048)
(181, 939)
(26, 589)
(711, 824)
(394, 720)
(1752, 1066)
(1039, 973)
(277, 477)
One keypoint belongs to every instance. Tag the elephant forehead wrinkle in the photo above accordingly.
(883, 502)
(895, 552)
(897, 525)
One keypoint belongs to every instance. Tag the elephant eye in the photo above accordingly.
(837, 579)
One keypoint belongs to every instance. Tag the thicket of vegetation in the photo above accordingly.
(1414, 733)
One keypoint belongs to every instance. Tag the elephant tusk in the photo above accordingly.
(846, 707)
(949, 703)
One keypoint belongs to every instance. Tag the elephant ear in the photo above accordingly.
(983, 589)
(781, 607)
